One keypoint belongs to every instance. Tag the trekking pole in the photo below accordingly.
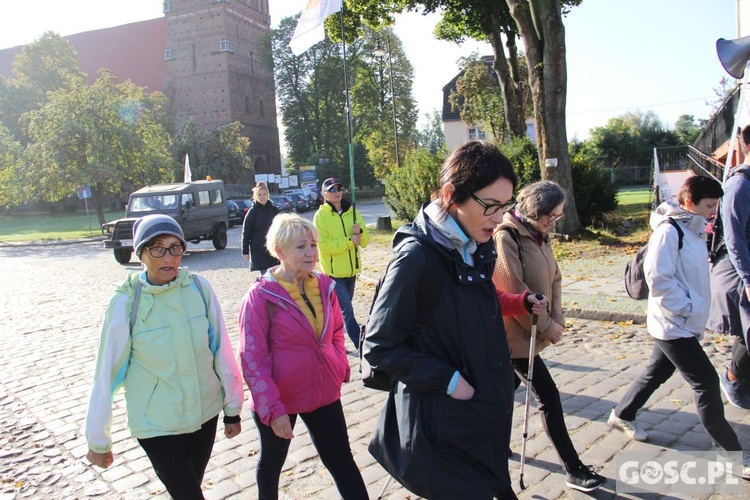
(529, 376)
(385, 487)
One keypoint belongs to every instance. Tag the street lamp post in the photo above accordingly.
(380, 52)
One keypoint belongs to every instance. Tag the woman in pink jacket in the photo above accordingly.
(294, 360)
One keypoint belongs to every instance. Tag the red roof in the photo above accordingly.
(132, 51)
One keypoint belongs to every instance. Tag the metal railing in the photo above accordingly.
(687, 158)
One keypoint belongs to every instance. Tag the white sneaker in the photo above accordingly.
(630, 428)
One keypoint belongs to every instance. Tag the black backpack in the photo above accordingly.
(635, 278)
(429, 289)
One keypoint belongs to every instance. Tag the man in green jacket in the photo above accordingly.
(342, 233)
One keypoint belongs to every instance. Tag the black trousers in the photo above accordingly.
(740, 364)
(691, 360)
(328, 433)
(548, 397)
(180, 461)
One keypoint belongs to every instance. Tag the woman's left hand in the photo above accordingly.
(231, 430)
(282, 427)
(556, 335)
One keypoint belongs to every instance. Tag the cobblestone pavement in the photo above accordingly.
(52, 301)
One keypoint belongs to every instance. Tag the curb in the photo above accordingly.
(39, 243)
(602, 315)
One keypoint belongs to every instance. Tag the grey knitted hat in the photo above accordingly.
(150, 226)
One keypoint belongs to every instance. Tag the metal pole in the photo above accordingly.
(393, 100)
(86, 202)
(348, 109)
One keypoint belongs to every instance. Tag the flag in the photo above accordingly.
(310, 29)
(188, 173)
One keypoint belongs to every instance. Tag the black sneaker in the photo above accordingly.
(584, 479)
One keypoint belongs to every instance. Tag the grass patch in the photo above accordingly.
(51, 227)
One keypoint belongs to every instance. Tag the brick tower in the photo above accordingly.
(215, 77)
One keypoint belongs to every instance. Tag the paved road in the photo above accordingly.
(52, 299)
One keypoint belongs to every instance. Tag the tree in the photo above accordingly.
(431, 137)
(478, 99)
(220, 152)
(687, 129)
(105, 135)
(48, 64)
(407, 188)
(310, 90)
(539, 24)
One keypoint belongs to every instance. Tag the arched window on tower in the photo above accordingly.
(262, 112)
(248, 105)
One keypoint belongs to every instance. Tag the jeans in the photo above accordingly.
(328, 433)
(691, 360)
(546, 394)
(180, 460)
(345, 292)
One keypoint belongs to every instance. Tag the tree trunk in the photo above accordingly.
(514, 116)
(543, 33)
(96, 193)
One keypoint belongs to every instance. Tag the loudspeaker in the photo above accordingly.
(734, 54)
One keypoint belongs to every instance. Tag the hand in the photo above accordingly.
(231, 430)
(247, 256)
(282, 427)
(356, 234)
(463, 391)
(538, 306)
(102, 460)
(747, 293)
(557, 333)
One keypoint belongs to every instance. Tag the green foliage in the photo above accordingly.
(478, 98)
(407, 188)
(220, 152)
(595, 194)
(524, 156)
(431, 137)
(687, 129)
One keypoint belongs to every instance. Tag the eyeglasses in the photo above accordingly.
(555, 217)
(335, 190)
(159, 252)
(496, 207)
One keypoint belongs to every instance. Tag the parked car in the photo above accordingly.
(318, 197)
(244, 205)
(301, 203)
(235, 213)
(199, 208)
(283, 203)
(307, 194)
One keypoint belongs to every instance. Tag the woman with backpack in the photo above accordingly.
(445, 428)
(164, 340)
(678, 307)
(525, 262)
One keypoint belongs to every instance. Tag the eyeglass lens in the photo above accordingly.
(159, 252)
(505, 207)
(334, 190)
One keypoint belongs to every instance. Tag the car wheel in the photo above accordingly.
(122, 255)
(220, 238)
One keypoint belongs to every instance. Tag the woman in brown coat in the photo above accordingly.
(525, 263)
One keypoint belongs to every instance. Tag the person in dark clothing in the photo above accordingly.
(730, 280)
(254, 230)
(445, 428)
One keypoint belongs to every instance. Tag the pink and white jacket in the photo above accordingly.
(287, 367)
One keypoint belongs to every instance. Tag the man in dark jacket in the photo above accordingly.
(730, 281)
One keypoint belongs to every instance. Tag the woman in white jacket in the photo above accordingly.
(678, 304)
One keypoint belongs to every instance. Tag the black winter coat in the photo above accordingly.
(434, 445)
(254, 230)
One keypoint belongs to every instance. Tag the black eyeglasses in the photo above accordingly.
(495, 207)
(555, 217)
(159, 252)
(335, 190)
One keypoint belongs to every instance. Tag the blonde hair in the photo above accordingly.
(285, 229)
(261, 185)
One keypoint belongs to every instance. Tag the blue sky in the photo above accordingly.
(622, 55)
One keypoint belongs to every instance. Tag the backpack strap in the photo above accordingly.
(680, 233)
(516, 237)
(137, 300)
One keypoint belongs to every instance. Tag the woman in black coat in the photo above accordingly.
(254, 230)
(445, 429)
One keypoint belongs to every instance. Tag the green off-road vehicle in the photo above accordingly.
(199, 207)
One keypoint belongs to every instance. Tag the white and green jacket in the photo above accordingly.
(178, 367)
